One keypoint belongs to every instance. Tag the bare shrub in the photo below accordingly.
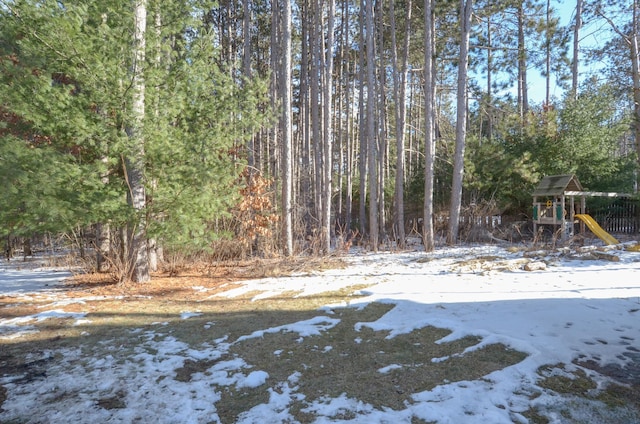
(228, 250)
(476, 220)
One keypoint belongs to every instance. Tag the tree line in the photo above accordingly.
(238, 127)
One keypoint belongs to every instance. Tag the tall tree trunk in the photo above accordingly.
(103, 236)
(339, 133)
(489, 105)
(328, 130)
(381, 120)
(428, 236)
(103, 245)
(304, 121)
(461, 122)
(138, 254)
(399, 91)
(273, 146)
(246, 67)
(547, 48)
(348, 207)
(287, 133)
(523, 101)
(635, 67)
(155, 250)
(316, 125)
(576, 50)
(371, 130)
(246, 37)
(363, 119)
(103, 230)
(399, 180)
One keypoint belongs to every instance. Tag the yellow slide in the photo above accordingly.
(597, 229)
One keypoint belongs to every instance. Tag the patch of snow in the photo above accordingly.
(19, 279)
(310, 327)
(389, 368)
(187, 314)
(12, 328)
(254, 379)
(572, 309)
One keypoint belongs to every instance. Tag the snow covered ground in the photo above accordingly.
(576, 308)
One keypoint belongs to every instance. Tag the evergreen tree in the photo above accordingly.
(583, 137)
(67, 75)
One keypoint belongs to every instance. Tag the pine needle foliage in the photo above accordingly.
(64, 70)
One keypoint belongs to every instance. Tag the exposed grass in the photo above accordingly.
(580, 393)
(576, 383)
(344, 359)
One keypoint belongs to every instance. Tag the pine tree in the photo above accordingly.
(69, 76)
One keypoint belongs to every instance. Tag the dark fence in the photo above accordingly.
(620, 215)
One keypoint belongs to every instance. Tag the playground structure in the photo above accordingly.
(555, 203)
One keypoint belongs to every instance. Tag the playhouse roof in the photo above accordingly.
(556, 185)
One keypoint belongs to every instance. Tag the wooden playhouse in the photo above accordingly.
(555, 203)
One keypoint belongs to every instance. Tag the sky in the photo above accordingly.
(576, 307)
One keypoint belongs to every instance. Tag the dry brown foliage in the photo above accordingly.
(255, 215)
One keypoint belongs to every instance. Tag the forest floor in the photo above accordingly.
(302, 340)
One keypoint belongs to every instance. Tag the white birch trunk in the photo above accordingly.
(138, 254)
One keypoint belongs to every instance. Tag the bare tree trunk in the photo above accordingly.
(316, 129)
(152, 243)
(246, 37)
(26, 247)
(371, 133)
(246, 66)
(415, 119)
(154, 258)
(276, 60)
(328, 130)
(547, 48)
(430, 141)
(304, 128)
(346, 135)
(138, 255)
(363, 120)
(523, 100)
(399, 133)
(348, 212)
(287, 133)
(576, 50)
(399, 91)
(339, 134)
(381, 119)
(103, 245)
(635, 68)
(461, 122)
(103, 236)
(489, 104)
